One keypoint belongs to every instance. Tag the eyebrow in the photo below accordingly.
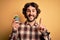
(32, 9)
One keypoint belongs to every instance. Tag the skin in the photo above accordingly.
(30, 19)
(31, 15)
(32, 12)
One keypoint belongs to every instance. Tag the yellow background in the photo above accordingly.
(50, 14)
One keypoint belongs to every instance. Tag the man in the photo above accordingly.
(30, 30)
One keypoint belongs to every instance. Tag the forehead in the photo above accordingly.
(31, 8)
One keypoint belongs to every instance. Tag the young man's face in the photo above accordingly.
(31, 13)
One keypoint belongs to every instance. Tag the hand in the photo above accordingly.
(15, 24)
(41, 27)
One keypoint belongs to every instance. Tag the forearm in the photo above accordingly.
(46, 35)
(13, 35)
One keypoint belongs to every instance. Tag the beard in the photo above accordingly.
(28, 18)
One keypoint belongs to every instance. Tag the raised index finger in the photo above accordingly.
(40, 21)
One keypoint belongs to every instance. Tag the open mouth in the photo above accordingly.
(31, 17)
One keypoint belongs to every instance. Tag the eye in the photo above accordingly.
(33, 11)
(28, 10)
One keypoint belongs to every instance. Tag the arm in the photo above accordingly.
(45, 35)
(14, 34)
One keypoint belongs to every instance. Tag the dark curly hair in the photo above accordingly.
(33, 5)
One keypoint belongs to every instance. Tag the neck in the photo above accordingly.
(31, 23)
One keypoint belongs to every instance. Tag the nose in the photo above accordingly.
(31, 12)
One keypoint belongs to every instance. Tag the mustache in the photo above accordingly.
(30, 15)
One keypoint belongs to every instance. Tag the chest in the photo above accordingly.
(29, 31)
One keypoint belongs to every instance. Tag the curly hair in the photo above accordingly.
(33, 5)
